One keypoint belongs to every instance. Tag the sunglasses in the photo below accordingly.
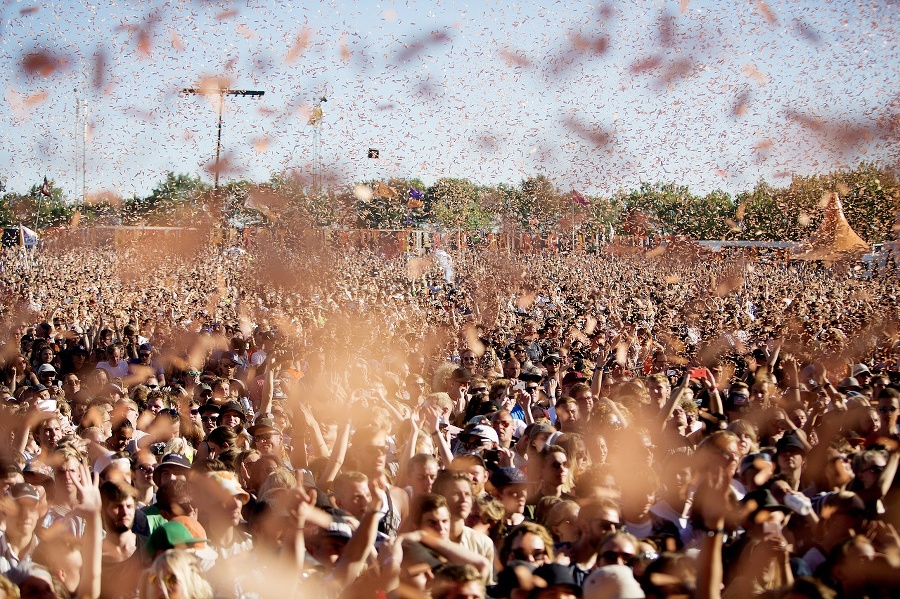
(533, 556)
(381, 449)
(887, 409)
(211, 417)
(169, 580)
(147, 468)
(604, 524)
(194, 411)
(613, 557)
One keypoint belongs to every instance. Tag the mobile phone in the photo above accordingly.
(491, 455)
(519, 386)
(698, 373)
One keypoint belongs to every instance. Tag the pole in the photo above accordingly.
(573, 225)
(222, 92)
(219, 137)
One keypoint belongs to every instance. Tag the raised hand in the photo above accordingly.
(88, 486)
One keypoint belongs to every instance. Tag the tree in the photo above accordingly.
(34, 209)
(455, 204)
(540, 205)
(175, 201)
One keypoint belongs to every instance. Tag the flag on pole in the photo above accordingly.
(579, 199)
(384, 191)
(415, 193)
(45, 188)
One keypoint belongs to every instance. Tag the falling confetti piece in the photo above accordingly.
(767, 13)
(43, 63)
(754, 73)
(301, 43)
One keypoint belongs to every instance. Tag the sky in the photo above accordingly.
(597, 96)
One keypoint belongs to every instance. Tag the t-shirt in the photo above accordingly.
(479, 543)
(119, 371)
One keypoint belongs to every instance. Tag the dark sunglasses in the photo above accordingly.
(195, 411)
(887, 409)
(525, 556)
(613, 557)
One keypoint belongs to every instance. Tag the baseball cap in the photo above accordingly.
(232, 406)
(181, 532)
(230, 356)
(612, 582)
(558, 575)
(145, 347)
(790, 441)
(24, 491)
(536, 428)
(572, 377)
(480, 430)
(229, 482)
(849, 384)
(506, 477)
(46, 368)
(262, 426)
(859, 369)
(171, 461)
(759, 461)
(338, 529)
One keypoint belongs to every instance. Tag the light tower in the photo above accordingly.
(315, 119)
(221, 92)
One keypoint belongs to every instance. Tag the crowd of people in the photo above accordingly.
(318, 422)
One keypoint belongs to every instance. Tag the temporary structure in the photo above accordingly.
(835, 240)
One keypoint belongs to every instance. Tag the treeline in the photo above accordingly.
(870, 195)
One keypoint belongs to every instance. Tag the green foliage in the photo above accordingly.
(35, 210)
(540, 205)
(175, 201)
(870, 196)
(457, 204)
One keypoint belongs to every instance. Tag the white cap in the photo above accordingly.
(612, 582)
(485, 432)
(859, 369)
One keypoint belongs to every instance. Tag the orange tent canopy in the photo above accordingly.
(835, 240)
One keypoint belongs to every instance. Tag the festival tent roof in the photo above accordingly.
(835, 240)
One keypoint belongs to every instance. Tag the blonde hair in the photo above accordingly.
(185, 568)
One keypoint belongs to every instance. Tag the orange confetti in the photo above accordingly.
(514, 60)
(245, 32)
(177, 44)
(300, 45)
(767, 13)
(755, 74)
(43, 63)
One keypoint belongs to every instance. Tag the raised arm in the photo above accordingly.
(353, 560)
(336, 459)
(676, 394)
(89, 508)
